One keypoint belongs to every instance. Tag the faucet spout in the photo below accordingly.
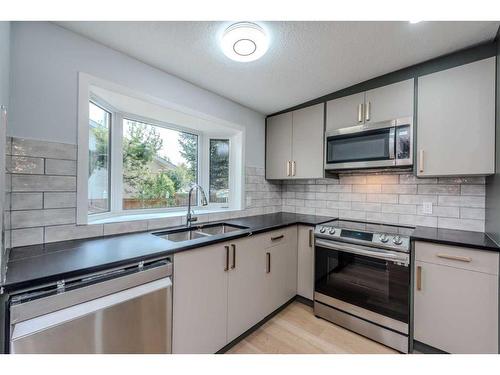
(189, 216)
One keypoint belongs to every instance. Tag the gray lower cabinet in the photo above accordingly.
(220, 291)
(200, 300)
(456, 298)
(456, 121)
(294, 144)
(305, 267)
(247, 281)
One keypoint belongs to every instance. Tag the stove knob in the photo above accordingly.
(397, 240)
(332, 231)
(322, 230)
(383, 238)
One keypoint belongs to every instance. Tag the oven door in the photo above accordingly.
(374, 279)
(361, 146)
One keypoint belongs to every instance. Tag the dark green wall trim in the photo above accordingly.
(461, 57)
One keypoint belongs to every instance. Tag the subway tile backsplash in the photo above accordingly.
(41, 198)
(457, 203)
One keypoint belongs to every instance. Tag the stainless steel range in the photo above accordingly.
(362, 279)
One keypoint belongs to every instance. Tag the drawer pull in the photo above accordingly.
(268, 262)
(226, 268)
(233, 266)
(311, 238)
(455, 257)
(277, 237)
(419, 277)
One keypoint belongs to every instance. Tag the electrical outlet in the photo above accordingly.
(427, 209)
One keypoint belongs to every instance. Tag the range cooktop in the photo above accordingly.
(365, 233)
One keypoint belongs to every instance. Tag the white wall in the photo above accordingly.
(46, 60)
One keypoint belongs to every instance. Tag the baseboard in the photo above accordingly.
(304, 300)
(420, 347)
(256, 326)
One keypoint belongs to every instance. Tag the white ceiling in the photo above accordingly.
(305, 60)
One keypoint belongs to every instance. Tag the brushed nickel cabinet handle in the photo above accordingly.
(455, 257)
(293, 168)
(288, 163)
(421, 161)
(233, 265)
(268, 262)
(419, 278)
(360, 112)
(311, 240)
(367, 111)
(277, 237)
(227, 258)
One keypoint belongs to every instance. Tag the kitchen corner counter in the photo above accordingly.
(475, 240)
(39, 264)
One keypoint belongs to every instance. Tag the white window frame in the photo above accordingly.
(116, 163)
(236, 161)
(232, 171)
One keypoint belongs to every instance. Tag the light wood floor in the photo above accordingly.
(295, 330)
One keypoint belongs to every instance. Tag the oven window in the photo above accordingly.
(365, 146)
(376, 285)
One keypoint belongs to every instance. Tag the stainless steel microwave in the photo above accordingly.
(378, 145)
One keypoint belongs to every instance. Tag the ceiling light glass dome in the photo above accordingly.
(244, 41)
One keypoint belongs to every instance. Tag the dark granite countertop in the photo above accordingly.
(39, 264)
(476, 240)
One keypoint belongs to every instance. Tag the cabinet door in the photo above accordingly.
(278, 146)
(281, 267)
(308, 142)
(200, 300)
(456, 121)
(389, 102)
(305, 264)
(247, 285)
(344, 112)
(456, 310)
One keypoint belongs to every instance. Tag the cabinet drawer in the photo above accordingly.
(280, 236)
(458, 257)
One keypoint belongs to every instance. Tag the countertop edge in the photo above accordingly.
(23, 285)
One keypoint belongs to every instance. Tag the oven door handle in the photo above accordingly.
(391, 256)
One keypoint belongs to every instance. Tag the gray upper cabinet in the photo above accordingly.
(279, 146)
(344, 112)
(456, 121)
(294, 144)
(389, 102)
(307, 142)
(381, 104)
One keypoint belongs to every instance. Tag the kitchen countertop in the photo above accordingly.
(476, 240)
(39, 264)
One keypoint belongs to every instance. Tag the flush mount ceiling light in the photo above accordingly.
(244, 41)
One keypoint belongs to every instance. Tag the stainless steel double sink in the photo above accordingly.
(201, 231)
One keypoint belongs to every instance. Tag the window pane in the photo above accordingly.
(159, 165)
(219, 171)
(98, 184)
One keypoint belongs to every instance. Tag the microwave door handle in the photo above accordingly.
(362, 250)
(392, 143)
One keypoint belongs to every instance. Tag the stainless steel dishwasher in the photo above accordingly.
(125, 310)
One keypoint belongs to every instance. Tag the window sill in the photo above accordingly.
(119, 218)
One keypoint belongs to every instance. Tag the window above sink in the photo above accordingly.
(142, 160)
